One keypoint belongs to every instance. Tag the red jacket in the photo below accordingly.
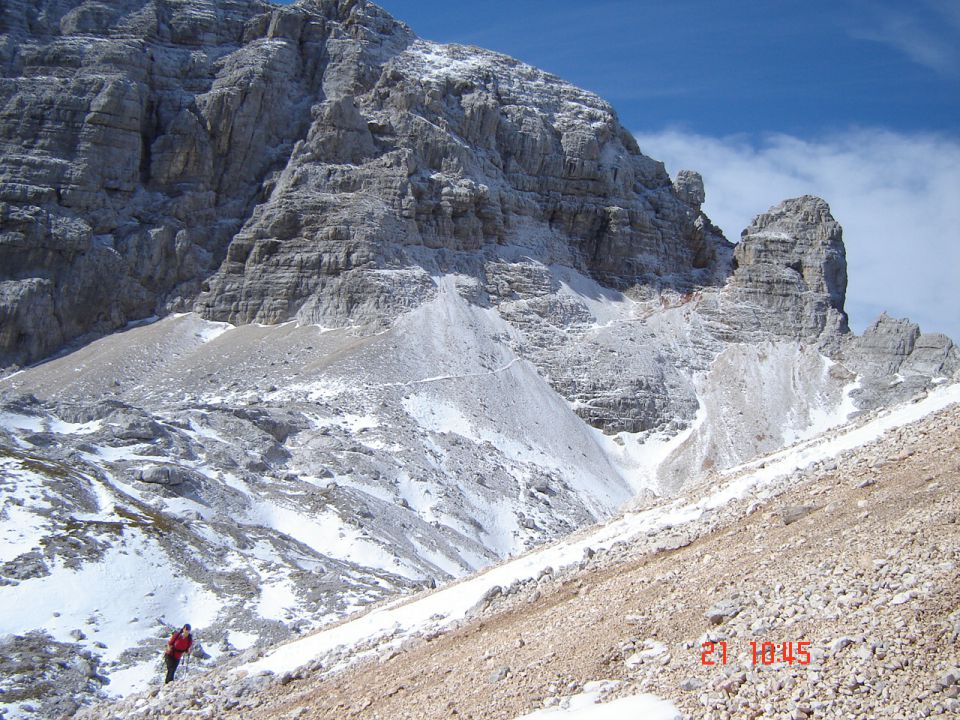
(177, 645)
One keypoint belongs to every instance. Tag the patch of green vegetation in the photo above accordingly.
(148, 519)
(41, 466)
(30, 691)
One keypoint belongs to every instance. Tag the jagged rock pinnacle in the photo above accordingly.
(791, 271)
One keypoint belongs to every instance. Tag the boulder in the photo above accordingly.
(723, 611)
(792, 513)
(166, 474)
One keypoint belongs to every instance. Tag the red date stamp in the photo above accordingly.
(764, 653)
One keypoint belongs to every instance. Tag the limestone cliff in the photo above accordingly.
(290, 152)
(319, 162)
(137, 137)
(791, 270)
(451, 159)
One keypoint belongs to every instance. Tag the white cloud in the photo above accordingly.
(897, 197)
(927, 38)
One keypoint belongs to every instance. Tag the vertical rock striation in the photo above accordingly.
(136, 138)
(318, 162)
(300, 155)
(790, 273)
(451, 159)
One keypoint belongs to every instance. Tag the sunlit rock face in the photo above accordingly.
(791, 272)
(417, 308)
(288, 152)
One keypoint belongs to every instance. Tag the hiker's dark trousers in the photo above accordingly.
(172, 663)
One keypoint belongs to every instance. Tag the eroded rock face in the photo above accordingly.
(816, 253)
(689, 184)
(136, 138)
(449, 159)
(318, 162)
(886, 344)
(897, 361)
(934, 356)
(791, 272)
(302, 154)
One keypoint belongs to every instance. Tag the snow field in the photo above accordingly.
(391, 624)
(22, 528)
(115, 616)
(589, 706)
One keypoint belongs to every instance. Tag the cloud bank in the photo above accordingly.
(897, 197)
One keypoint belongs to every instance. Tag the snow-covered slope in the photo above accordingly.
(391, 625)
(318, 473)
(384, 631)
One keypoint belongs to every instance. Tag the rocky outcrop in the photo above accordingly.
(885, 345)
(790, 273)
(165, 474)
(46, 678)
(934, 356)
(896, 360)
(689, 184)
(449, 160)
(893, 346)
(318, 162)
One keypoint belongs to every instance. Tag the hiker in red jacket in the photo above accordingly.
(178, 644)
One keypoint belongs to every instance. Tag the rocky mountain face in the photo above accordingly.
(322, 142)
(423, 307)
(137, 138)
(791, 272)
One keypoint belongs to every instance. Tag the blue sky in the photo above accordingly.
(857, 101)
(792, 66)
